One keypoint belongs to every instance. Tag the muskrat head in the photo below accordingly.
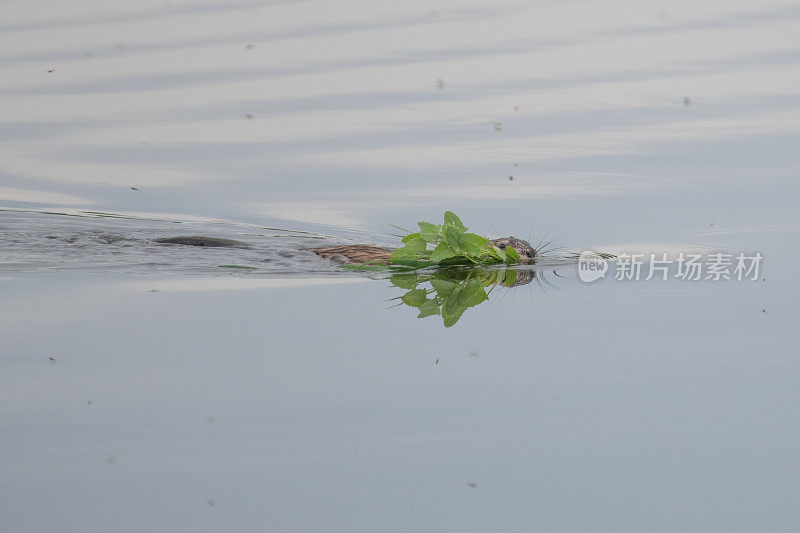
(526, 252)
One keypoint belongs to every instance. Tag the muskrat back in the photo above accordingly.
(355, 253)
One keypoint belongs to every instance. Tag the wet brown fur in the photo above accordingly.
(356, 253)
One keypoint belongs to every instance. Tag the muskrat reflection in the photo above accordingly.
(450, 292)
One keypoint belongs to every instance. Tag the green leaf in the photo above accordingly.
(429, 308)
(473, 293)
(512, 255)
(416, 242)
(410, 236)
(510, 278)
(430, 232)
(492, 251)
(442, 251)
(499, 253)
(451, 237)
(443, 288)
(403, 254)
(415, 297)
(491, 277)
(405, 280)
(451, 318)
(450, 219)
(452, 308)
(462, 297)
(473, 244)
(415, 246)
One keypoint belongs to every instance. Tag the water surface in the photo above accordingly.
(154, 387)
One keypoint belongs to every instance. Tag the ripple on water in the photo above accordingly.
(36, 241)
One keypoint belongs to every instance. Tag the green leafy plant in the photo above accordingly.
(446, 244)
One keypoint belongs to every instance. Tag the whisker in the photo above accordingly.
(540, 281)
(545, 236)
(530, 233)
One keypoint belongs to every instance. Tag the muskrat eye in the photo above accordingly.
(530, 253)
(502, 246)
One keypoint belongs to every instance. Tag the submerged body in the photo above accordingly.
(197, 240)
(361, 253)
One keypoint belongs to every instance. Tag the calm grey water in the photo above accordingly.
(152, 387)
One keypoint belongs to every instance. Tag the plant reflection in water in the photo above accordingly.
(449, 292)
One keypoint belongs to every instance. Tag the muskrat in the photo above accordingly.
(361, 253)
